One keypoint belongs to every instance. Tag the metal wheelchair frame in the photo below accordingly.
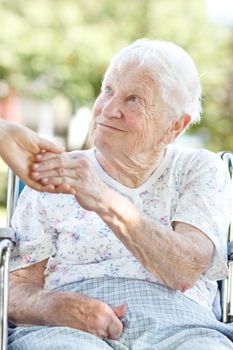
(7, 245)
(226, 287)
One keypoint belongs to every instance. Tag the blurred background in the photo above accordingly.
(53, 55)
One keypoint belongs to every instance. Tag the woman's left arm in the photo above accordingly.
(177, 257)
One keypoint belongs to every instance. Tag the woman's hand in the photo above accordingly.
(18, 147)
(90, 315)
(74, 170)
(57, 308)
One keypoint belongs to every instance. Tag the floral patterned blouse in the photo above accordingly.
(190, 186)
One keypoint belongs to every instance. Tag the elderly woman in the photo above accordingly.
(131, 260)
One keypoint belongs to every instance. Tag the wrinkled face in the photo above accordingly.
(128, 116)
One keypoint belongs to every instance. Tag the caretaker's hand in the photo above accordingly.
(18, 147)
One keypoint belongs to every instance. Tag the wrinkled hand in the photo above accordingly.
(18, 149)
(93, 316)
(74, 170)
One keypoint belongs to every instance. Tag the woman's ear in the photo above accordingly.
(181, 124)
(177, 127)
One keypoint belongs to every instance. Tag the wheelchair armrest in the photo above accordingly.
(230, 251)
(6, 245)
(7, 233)
(227, 288)
(230, 292)
(6, 242)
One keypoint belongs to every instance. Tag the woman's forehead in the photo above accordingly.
(130, 73)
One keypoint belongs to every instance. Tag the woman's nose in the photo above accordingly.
(112, 108)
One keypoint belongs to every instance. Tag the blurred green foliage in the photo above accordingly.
(3, 183)
(65, 46)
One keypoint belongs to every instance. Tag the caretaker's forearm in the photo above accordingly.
(175, 258)
(3, 131)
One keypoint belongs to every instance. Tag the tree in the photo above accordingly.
(64, 46)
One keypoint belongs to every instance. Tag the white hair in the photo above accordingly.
(172, 69)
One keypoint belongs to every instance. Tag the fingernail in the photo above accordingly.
(39, 156)
(35, 165)
(35, 174)
(45, 180)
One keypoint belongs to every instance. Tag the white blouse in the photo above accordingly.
(190, 186)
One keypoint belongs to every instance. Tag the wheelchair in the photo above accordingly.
(225, 294)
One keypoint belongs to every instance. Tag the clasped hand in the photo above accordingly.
(71, 173)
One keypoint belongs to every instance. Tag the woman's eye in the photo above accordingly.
(133, 99)
(108, 90)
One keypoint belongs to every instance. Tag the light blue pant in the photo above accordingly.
(157, 318)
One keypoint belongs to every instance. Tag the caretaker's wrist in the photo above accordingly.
(3, 130)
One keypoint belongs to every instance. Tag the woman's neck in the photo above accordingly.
(131, 171)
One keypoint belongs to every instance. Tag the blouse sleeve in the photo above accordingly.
(205, 202)
(34, 231)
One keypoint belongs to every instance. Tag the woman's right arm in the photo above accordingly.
(31, 304)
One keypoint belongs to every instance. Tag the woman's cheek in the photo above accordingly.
(98, 106)
(96, 110)
(135, 121)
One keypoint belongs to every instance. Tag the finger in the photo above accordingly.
(115, 328)
(64, 188)
(55, 163)
(41, 187)
(57, 181)
(73, 156)
(44, 174)
(49, 164)
(120, 311)
(49, 146)
(45, 187)
(45, 156)
(60, 172)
